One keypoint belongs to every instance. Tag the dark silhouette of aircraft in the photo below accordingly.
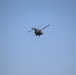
(38, 32)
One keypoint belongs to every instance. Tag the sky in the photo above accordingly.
(22, 53)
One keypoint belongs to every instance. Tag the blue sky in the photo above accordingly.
(53, 53)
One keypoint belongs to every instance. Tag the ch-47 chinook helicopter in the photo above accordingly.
(38, 32)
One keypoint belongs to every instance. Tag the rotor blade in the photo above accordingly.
(45, 27)
(29, 31)
(39, 25)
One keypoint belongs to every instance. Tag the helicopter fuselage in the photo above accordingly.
(38, 32)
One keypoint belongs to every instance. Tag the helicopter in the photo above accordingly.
(37, 31)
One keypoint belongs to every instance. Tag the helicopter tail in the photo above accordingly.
(33, 28)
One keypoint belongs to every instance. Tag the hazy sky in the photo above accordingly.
(22, 53)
